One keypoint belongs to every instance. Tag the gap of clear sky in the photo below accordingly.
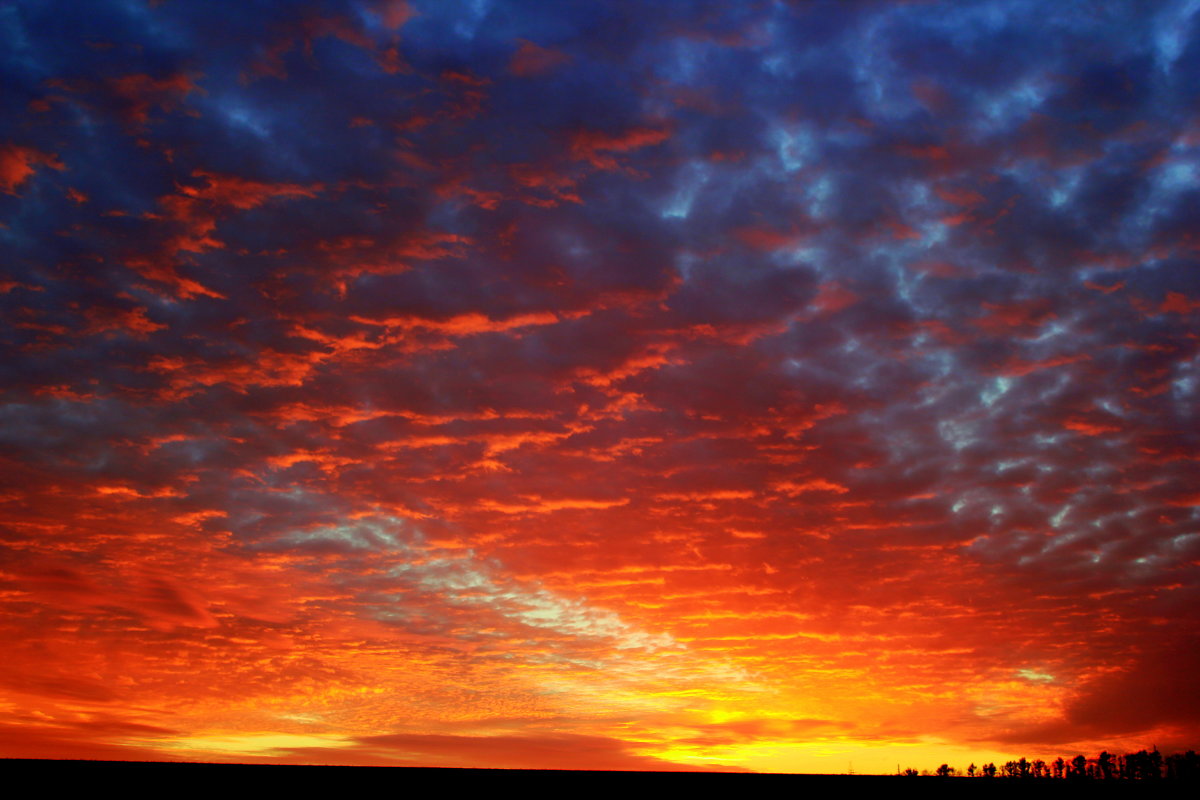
(603, 385)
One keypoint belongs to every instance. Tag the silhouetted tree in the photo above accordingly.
(1133, 766)
(1144, 765)
(1183, 766)
(911, 773)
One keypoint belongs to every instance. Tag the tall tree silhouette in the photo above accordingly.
(1184, 766)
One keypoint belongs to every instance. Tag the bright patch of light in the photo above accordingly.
(1069, 179)
(1176, 176)
(775, 64)
(1173, 31)
(1013, 107)
(1035, 676)
(957, 434)
(994, 392)
(1057, 520)
(1184, 540)
(872, 66)
(1051, 330)
(363, 536)
(254, 743)
(680, 205)
(468, 23)
(793, 146)
(244, 119)
(933, 233)
(1184, 386)
(818, 194)
(906, 281)
(805, 255)
(459, 582)
(464, 581)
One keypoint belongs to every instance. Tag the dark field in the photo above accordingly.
(150, 778)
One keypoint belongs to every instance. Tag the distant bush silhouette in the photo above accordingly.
(1144, 765)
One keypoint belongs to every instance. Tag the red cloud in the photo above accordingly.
(394, 13)
(530, 60)
(1015, 319)
(598, 148)
(139, 93)
(18, 163)
(1179, 303)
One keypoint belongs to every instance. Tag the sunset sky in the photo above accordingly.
(777, 386)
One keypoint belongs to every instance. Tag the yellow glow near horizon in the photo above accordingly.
(253, 744)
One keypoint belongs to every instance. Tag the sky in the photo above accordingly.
(774, 386)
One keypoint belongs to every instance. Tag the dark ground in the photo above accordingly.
(158, 779)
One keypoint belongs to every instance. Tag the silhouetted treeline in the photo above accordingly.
(1140, 766)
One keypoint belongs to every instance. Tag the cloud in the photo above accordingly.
(562, 751)
(1149, 694)
(671, 380)
(531, 60)
(18, 164)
